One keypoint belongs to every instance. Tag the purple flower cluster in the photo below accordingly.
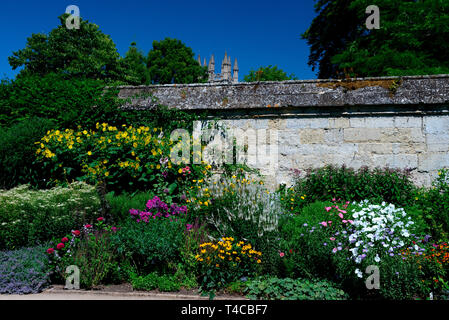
(24, 271)
(156, 208)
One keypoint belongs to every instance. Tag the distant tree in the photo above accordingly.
(85, 52)
(134, 66)
(412, 38)
(269, 73)
(171, 61)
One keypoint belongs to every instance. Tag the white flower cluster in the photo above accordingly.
(77, 198)
(379, 230)
(252, 202)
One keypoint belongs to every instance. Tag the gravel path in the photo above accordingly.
(58, 293)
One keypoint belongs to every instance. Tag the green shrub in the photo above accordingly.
(225, 261)
(91, 250)
(434, 204)
(152, 281)
(339, 241)
(244, 209)
(151, 246)
(125, 158)
(293, 289)
(68, 102)
(30, 216)
(303, 253)
(17, 153)
(401, 280)
(377, 185)
(120, 204)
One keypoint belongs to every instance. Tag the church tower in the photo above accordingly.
(228, 73)
(211, 69)
(235, 72)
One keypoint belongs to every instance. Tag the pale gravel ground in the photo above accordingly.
(58, 294)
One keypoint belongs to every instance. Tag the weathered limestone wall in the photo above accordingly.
(420, 143)
(394, 122)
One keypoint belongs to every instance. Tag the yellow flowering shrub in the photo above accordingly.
(225, 261)
(126, 158)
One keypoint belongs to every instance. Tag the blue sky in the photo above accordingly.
(257, 32)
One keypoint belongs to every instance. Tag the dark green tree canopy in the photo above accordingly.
(135, 68)
(171, 61)
(269, 73)
(85, 52)
(412, 39)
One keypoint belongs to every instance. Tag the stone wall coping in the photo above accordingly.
(229, 84)
(383, 91)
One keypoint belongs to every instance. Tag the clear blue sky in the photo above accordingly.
(257, 32)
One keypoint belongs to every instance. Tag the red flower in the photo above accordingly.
(65, 239)
(76, 233)
(50, 251)
(291, 250)
(60, 246)
(281, 254)
(100, 219)
(88, 226)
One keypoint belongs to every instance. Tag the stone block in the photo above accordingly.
(376, 148)
(311, 136)
(339, 123)
(433, 161)
(362, 134)
(408, 122)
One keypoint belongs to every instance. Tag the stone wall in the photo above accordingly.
(376, 122)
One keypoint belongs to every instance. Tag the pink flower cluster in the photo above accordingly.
(61, 245)
(156, 208)
(340, 212)
(87, 228)
(186, 171)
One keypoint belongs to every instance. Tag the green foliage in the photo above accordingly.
(171, 61)
(28, 217)
(162, 116)
(17, 153)
(269, 73)
(293, 289)
(162, 282)
(84, 52)
(323, 184)
(66, 102)
(124, 158)
(120, 204)
(410, 40)
(308, 251)
(242, 208)
(329, 34)
(95, 255)
(150, 246)
(225, 261)
(146, 283)
(434, 204)
(236, 287)
(134, 64)
(303, 252)
(401, 280)
(91, 251)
